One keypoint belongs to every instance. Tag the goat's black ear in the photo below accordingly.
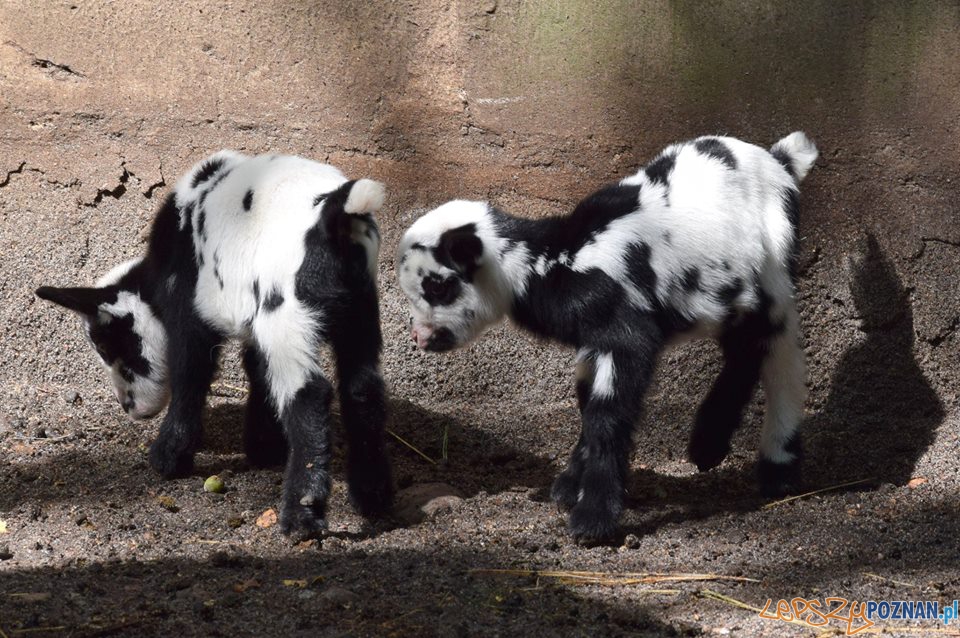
(82, 300)
(461, 248)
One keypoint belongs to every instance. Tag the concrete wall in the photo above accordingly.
(533, 105)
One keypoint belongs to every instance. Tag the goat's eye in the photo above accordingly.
(125, 373)
(440, 291)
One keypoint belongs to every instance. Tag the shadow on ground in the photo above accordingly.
(479, 461)
(331, 594)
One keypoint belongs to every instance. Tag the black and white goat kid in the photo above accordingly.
(280, 252)
(701, 242)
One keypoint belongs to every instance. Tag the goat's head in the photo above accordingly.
(126, 334)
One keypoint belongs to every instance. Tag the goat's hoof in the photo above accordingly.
(708, 452)
(371, 491)
(301, 522)
(593, 525)
(170, 462)
(267, 453)
(778, 479)
(566, 490)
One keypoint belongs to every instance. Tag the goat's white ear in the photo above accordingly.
(82, 300)
(366, 196)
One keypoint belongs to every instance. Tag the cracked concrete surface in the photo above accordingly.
(532, 105)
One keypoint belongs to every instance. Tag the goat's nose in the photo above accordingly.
(127, 404)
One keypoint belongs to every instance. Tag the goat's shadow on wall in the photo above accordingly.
(881, 414)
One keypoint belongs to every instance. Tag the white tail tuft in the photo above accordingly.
(800, 150)
(366, 196)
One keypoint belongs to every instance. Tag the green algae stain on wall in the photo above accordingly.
(895, 38)
(570, 42)
(792, 55)
(769, 57)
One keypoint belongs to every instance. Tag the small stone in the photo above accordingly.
(426, 500)
(234, 522)
(5, 553)
(333, 543)
(631, 541)
(214, 484)
(223, 559)
(167, 503)
(40, 433)
(72, 397)
(177, 583)
(267, 519)
(338, 596)
(81, 518)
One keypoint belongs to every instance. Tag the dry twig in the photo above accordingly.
(602, 578)
(820, 491)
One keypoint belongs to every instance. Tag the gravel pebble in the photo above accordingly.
(339, 596)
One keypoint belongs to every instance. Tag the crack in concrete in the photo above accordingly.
(116, 192)
(54, 69)
(945, 333)
(941, 240)
(10, 174)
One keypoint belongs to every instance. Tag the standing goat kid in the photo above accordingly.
(280, 252)
(701, 242)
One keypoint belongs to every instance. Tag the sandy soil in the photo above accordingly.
(533, 106)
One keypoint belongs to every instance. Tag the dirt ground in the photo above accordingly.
(532, 105)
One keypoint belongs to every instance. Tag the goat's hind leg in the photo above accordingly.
(363, 405)
(306, 483)
(263, 439)
(744, 347)
(288, 337)
(784, 382)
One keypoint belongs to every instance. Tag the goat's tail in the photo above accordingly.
(797, 153)
(366, 197)
(348, 214)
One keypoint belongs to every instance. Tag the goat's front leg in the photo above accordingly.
(621, 377)
(192, 357)
(566, 488)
